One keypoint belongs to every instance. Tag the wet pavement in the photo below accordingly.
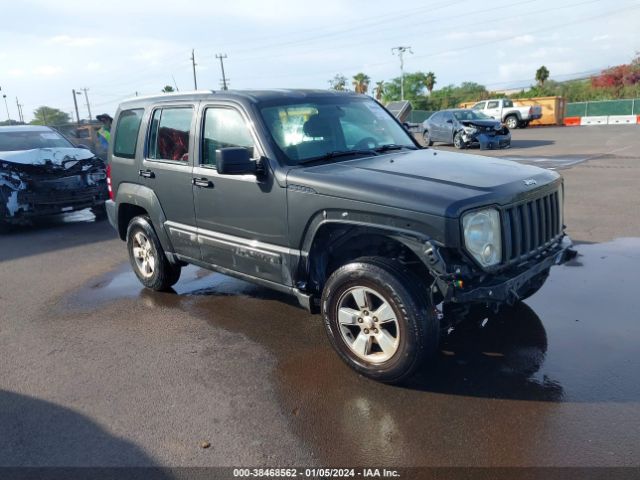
(96, 370)
(553, 381)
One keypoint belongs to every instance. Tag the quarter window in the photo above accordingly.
(224, 127)
(127, 133)
(169, 134)
(507, 103)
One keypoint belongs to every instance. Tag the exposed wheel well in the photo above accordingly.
(337, 245)
(127, 211)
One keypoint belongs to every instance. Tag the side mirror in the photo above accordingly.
(235, 161)
(406, 126)
(449, 121)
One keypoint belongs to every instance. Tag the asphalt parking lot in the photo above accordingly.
(95, 370)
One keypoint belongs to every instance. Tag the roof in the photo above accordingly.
(25, 128)
(254, 96)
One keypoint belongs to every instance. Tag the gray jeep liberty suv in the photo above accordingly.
(325, 196)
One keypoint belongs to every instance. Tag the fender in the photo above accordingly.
(144, 197)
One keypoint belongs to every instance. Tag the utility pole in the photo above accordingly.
(75, 104)
(174, 84)
(400, 51)
(193, 63)
(224, 78)
(86, 97)
(6, 106)
(19, 105)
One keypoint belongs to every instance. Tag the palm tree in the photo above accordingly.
(361, 82)
(541, 75)
(430, 81)
(379, 90)
(167, 89)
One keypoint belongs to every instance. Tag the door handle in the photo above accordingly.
(202, 182)
(146, 173)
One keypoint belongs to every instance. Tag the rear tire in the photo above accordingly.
(523, 124)
(426, 136)
(512, 122)
(147, 257)
(378, 318)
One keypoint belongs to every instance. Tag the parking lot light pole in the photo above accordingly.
(400, 51)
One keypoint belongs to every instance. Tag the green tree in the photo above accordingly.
(379, 90)
(49, 116)
(338, 83)
(542, 74)
(361, 83)
(414, 88)
(167, 89)
(430, 81)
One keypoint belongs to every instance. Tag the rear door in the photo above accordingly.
(167, 168)
(435, 122)
(493, 109)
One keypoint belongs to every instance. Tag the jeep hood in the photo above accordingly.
(429, 181)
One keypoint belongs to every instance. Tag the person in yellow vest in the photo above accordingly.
(104, 135)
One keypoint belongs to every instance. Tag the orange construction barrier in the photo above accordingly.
(638, 119)
(572, 121)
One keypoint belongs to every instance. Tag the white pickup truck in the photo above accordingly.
(512, 116)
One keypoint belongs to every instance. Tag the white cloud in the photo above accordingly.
(599, 38)
(16, 72)
(69, 41)
(475, 35)
(47, 70)
(94, 66)
(523, 40)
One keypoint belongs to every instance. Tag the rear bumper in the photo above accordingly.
(511, 289)
(112, 214)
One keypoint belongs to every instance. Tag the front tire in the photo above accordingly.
(458, 142)
(379, 319)
(147, 257)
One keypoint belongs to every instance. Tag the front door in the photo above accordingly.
(167, 169)
(241, 218)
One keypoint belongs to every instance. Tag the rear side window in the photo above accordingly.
(507, 103)
(492, 105)
(127, 133)
(169, 134)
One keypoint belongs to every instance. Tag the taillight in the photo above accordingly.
(109, 187)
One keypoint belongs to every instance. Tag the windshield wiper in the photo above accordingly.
(393, 146)
(337, 154)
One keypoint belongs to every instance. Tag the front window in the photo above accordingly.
(314, 128)
(223, 128)
(25, 140)
(470, 115)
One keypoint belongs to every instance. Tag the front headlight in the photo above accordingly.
(482, 236)
(97, 176)
(470, 130)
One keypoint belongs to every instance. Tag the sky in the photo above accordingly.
(116, 48)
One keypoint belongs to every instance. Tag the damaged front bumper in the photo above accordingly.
(488, 140)
(507, 288)
(36, 204)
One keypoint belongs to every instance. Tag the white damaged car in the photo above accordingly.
(43, 173)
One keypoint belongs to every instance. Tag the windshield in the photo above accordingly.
(325, 126)
(28, 140)
(470, 115)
